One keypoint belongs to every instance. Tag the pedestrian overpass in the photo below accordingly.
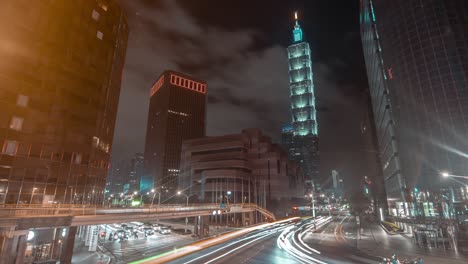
(17, 220)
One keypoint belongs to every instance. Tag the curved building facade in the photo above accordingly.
(416, 54)
(61, 71)
(243, 167)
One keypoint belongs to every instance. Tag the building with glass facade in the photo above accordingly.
(416, 55)
(61, 71)
(303, 112)
(177, 112)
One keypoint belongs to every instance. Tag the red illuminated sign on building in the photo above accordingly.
(188, 84)
(157, 85)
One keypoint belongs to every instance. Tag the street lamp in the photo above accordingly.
(313, 205)
(186, 196)
(446, 174)
(154, 195)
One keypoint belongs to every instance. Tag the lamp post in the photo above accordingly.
(154, 195)
(32, 195)
(186, 196)
(313, 206)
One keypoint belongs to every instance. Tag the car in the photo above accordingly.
(156, 227)
(148, 231)
(128, 228)
(164, 230)
(121, 234)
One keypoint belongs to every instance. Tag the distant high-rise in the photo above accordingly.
(61, 68)
(177, 112)
(287, 135)
(302, 95)
(416, 55)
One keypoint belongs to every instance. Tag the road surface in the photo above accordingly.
(285, 243)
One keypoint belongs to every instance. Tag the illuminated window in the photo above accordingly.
(103, 6)
(77, 158)
(95, 141)
(9, 147)
(22, 100)
(16, 123)
(95, 15)
(99, 35)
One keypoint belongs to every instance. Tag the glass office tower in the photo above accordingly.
(303, 113)
(416, 55)
(61, 69)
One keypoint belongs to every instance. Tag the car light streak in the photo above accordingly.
(168, 256)
(287, 241)
(235, 249)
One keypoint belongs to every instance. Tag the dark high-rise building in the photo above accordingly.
(287, 142)
(416, 55)
(60, 71)
(136, 172)
(177, 112)
(302, 95)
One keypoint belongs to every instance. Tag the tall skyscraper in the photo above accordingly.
(416, 55)
(177, 112)
(302, 95)
(60, 71)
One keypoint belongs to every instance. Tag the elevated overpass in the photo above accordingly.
(94, 215)
(17, 220)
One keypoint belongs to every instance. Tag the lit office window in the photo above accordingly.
(9, 147)
(16, 123)
(95, 15)
(22, 100)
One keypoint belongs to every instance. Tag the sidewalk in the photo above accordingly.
(375, 241)
(82, 255)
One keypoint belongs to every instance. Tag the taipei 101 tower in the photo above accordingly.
(304, 145)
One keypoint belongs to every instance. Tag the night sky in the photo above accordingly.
(239, 48)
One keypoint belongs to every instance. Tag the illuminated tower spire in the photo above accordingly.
(302, 96)
(297, 31)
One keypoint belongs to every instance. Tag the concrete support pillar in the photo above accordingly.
(58, 241)
(12, 246)
(201, 228)
(252, 218)
(68, 244)
(6, 249)
(20, 249)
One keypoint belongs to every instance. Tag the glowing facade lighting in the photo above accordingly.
(301, 85)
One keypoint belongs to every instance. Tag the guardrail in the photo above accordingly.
(15, 211)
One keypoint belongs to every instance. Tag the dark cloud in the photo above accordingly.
(247, 83)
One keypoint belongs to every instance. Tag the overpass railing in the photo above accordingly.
(83, 210)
